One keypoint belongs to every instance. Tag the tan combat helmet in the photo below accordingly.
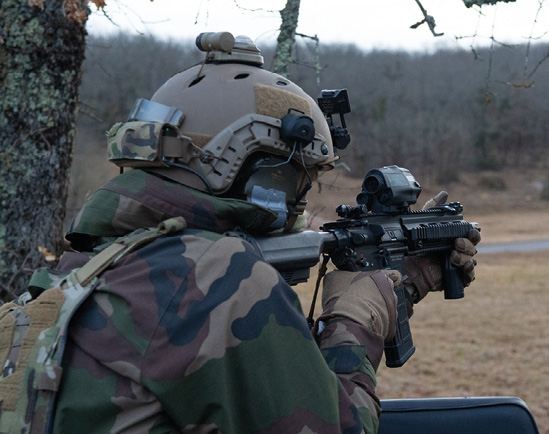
(202, 127)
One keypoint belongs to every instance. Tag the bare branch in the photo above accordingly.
(469, 3)
(317, 67)
(87, 110)
(427, 19)
(489, 94)
(543, 59)
(253, 10)
(527, 56)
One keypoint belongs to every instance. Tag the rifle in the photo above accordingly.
(378, 233)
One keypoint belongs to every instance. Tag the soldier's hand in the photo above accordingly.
(424, 273)
(462, 256)
(366, 298)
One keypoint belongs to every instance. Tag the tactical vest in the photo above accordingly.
(33, 333)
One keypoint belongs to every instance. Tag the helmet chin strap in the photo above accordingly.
(283, 162)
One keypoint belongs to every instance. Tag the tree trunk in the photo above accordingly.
(286, 37)
(41, 52)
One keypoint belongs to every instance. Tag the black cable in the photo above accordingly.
(194, 172)
(282, 163)
(309, 185)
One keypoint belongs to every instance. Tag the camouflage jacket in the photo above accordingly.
(195, 333)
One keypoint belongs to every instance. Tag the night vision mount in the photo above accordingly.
(224, 47)
(336, 102)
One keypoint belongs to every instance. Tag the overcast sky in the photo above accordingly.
(370, 24)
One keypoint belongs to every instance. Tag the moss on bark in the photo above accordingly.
(41, 53)
(283, 54)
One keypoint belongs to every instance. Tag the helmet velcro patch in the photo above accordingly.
(273, 102)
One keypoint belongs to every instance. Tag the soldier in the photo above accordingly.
(190, 330)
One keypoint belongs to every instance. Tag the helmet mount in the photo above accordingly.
(224, 47)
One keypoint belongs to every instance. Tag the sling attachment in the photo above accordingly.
(321, 273)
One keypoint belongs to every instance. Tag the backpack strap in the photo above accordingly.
(99, 263)
(35, 336)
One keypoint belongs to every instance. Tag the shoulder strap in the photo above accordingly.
(98, 263)
(125, 245)
(27, 393)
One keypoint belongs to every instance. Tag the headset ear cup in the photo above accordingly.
(297, 128)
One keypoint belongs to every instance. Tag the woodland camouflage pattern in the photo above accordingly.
(134, 140)
(195, 333)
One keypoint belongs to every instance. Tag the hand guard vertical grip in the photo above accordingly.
(451, 280)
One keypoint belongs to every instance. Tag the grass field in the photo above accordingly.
(495, 341)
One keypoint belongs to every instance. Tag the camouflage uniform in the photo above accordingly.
(195, 333)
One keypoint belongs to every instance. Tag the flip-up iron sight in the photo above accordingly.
(336, 102)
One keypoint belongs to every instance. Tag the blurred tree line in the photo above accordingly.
(438, 114)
